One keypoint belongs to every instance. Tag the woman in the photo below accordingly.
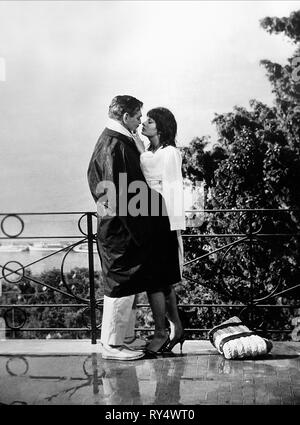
(161, 166)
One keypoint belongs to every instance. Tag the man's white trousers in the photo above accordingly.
(118, 320)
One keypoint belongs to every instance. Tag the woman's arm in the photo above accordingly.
(172, 187)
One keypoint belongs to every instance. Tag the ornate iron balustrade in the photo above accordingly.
(250, 226)
(14, 314)
(253, 230)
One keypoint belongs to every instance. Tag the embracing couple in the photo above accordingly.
(140, 246)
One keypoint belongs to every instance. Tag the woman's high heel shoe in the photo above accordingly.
(185, 318)
(174, 342)
(153, 354)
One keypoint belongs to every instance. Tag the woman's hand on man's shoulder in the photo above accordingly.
(138, 142)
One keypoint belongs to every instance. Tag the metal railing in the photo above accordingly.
(248, 229)
(14, 272)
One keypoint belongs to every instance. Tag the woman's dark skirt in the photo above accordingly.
(130, 269)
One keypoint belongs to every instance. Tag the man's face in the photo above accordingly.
(132, 123)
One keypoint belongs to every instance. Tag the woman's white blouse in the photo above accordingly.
(162, 171)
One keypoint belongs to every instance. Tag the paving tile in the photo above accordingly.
(73, 372)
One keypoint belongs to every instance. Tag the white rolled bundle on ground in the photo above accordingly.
(234, 340)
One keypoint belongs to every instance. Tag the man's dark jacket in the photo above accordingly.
(137, 253)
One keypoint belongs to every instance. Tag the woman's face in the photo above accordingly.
(149, 128)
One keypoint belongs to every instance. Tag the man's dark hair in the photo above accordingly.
(121, 104)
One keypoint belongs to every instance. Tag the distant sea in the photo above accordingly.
(49, 229)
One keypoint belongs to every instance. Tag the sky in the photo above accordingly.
(62, 62)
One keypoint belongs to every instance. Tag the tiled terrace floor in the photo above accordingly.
(43, 372)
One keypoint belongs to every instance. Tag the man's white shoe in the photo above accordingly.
(136, 344)
(120, 353)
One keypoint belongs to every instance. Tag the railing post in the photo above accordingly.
(250, 235)
(91, 278)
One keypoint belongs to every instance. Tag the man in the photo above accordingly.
(121, 237)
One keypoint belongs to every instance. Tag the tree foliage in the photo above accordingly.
(255, 164)
(28, 291)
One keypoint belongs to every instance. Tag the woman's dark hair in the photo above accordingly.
(121, 104)
(166, 125)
